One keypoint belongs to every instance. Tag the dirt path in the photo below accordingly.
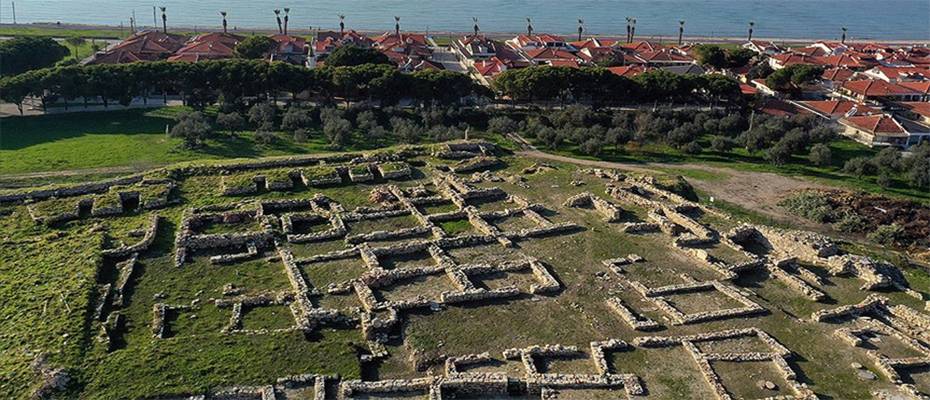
(755, 191)
(15, 180)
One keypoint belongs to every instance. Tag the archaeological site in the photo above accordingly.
(450, 271)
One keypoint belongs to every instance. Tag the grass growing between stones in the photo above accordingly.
(48, 284)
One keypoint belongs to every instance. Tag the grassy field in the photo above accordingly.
(49, 30)
(134, 138)
(49, 276)
(740, 159)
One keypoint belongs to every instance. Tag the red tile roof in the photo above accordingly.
(881, 123)
(663, 56)
(490, 67)
(780, 108)
(839, 107)
(786, 59)
(628, 71)
(211, 46)
(920, 87)
(876, 88)
(811, 51)
(548, 53)
(837, 74)
(747, 89)
(142, 46)
(921, 108)
(898, 73)
(563, 63)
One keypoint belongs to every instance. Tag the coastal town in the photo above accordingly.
(878, 94)
(336, 214)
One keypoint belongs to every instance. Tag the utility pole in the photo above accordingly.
(14, 12)
(154, 17)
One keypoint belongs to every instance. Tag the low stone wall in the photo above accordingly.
(611, 212)
(871, 304)
(147, 239)
(635, 321)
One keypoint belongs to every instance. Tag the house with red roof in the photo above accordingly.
(141, 46)
(327, 41)
(528, 42)
(922, 87)
(832, 78)
(476, 47)
(916, 110)
(290, 49)
(665, 57)
(548, 55)
(896, 74)
(209, 46)
(783, 60)
(628, 71)
(836, 109)
(402, 48)
(884, 130)
(877, 90)
(764, 47)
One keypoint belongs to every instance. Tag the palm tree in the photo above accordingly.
(277, 14)
(580, 28)
(681, 30)
(529, 26)
(476, 25)
(397, 26)
(751, 24)
(633, 30)
(164, 20)
(342, 24)
(286, 17)
(628, 39)
(843, 40)
(223, 13)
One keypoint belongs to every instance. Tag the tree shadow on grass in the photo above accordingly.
(20, 132)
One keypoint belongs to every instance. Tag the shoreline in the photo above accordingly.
(440, 33)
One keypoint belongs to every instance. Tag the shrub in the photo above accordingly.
(265, 137)
(722, 144)
(408, 131)
(296, 118)
(692, 148)
(366, 121)
(859, 166)
(852, 222)
(232, 121)
(502, 125)
(301, 135)
(193, 128)
(886, 235)
(820, 155)
(884, 180)
(337, 132)
(262, 115)
(811, 205)
(779, 154)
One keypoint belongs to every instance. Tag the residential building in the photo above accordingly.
(142, 46)
(916, 110)
(764, 47)
(209, 46)
(884, 130)
(877, 90)
(836, 109)
(327, 41)
(290, 49)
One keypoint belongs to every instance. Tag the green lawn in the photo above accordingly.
(130, 138)
(61, 32)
